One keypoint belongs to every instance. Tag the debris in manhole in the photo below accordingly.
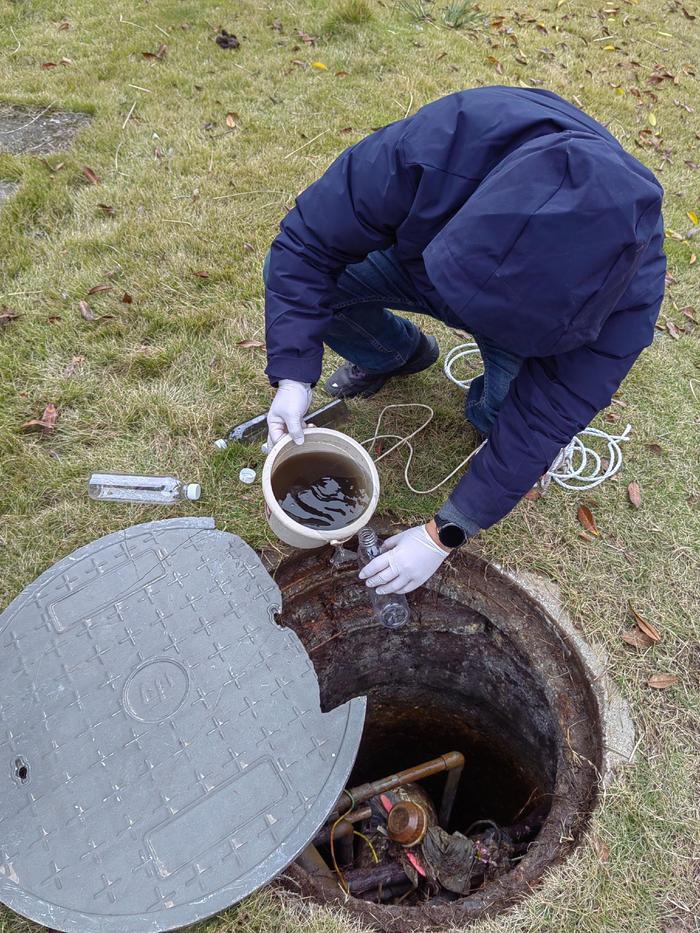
(390, 846)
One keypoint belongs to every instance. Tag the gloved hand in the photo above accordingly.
(406, 562)
(287, 411)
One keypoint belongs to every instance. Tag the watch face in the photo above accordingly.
(452, 535)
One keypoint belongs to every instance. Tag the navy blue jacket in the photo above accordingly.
(529, 221)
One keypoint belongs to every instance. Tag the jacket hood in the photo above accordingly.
(541, 253)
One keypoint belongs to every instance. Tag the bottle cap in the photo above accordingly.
(247, 475)
(193, 491)
(221, 444)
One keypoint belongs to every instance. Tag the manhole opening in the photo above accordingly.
(482, 670)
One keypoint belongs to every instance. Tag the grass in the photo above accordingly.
(163, 376)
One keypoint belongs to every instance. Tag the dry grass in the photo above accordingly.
(163, 376)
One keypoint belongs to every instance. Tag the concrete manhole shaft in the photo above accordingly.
(484, 668)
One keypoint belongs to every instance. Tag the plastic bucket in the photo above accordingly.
(322, 440)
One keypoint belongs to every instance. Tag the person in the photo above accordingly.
(502, 211)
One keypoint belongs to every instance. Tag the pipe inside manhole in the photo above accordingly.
(482, 669)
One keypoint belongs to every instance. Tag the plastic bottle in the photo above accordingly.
(152, 490)
(391, 609)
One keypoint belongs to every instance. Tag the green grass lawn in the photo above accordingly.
(196, 203)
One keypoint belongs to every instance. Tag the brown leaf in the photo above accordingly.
(54, 318)
(86, 311)
(73, 367)
(47, 65)
(126, 298)
(159, 55)
(7, 315)
(636, 638)
(649, 630)
(689, 312)
(91, 176)
(584, 536)
(231, 119)
(62, 27)
(634, 494)
(673, 330)
(306, 38)
(342, 74)
(656, 449)
(533, 495)
(601, 849)
(251, 345)
(46, 423)
(96, 289)
(107, 209)
(201, 274)
(585, 517)
(248, 247)
(663, 681)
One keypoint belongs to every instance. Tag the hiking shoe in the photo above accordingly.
(350, 381)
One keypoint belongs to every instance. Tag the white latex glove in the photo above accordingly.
(286, 414)
(406, 562)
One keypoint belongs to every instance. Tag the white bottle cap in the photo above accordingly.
(221, 444)
(193, 491)
(247, 475)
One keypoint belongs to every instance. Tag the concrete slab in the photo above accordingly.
(32, 130)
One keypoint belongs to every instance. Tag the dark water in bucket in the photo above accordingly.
(321, 490)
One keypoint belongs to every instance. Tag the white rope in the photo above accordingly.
(401, 440)
(578, 466)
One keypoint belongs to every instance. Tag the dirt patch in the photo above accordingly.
(482, 669)
(28, 130)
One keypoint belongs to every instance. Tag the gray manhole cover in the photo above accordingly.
(33, 131)
(162, 748)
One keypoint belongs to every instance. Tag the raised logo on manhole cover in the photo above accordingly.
(156, 690)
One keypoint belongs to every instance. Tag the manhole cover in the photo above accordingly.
(162, 748)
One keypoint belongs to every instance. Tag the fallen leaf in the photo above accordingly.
(54, 318)
(663, 681)
(585, 517)
(46, 423)
(601, 849)
(248, 247)
(126, 298)
(689, 312)
(159, 55)
(231, 118)
(107, 209)
(652, 118)
(693, 217)
(251, 345)
(91, 176)
(299, 63)
(342, 74)
(609, 48)
(673, 330)
(74, 365)
(656, 449)
(62, 27)
(693, 259)
(319, 66)
(66, 61)
(533, 495)
(306, 38)
(96, 289)
(636, 638)
(584, 536)
(634, 493)
(649, 630)
(47, 65)
(201, 274)
(86, 311)
(7, 315)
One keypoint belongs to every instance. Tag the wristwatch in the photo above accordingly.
(450, 535)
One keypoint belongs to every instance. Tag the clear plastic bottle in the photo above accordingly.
(152, 490)
(391, 609)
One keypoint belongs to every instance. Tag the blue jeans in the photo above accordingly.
(366, 333)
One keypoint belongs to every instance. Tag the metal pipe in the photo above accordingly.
(449, 794)
(345, 826)
(355, 795)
